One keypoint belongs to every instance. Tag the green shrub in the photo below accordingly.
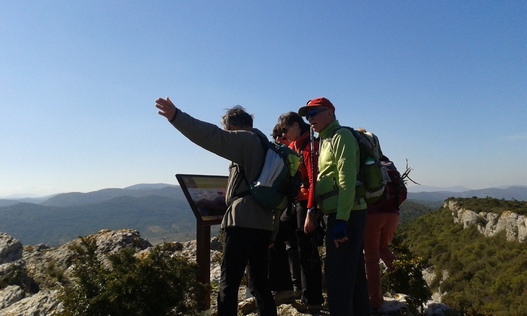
(486, 275)
(157, 283)
(407, 277)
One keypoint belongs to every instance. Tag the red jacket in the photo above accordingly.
(303, 147)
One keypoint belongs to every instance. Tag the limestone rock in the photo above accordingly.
(9, 295)
(41, 270)
(490, 224)
(40, 304)
(10, 249)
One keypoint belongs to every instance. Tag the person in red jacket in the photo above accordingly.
(299, 224)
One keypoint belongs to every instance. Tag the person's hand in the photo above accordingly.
(339, 232)
(310, 224)
(166, 108)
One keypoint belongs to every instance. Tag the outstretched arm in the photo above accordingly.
(166, 108)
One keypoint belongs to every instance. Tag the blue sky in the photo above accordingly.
(442, 83)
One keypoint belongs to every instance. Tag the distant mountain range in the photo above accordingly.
(518, 192)
(159, 211)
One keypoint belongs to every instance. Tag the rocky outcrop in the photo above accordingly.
(490, 224)
(39, 304)
(10, 249)
(37, 272)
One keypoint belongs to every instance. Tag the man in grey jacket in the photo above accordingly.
(248, 226)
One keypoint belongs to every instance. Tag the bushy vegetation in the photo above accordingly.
(492, 205)
(486, 276)
(407, 277)
(411, 210)
(157, 283)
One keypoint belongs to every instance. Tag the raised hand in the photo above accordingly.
(166, 108)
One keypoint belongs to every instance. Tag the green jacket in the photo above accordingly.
(338, 167)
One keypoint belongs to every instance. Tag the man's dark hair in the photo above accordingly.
(237, 117)
(287, 119)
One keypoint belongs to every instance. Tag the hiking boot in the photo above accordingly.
(307, 308)
(247, 306)
(284, 297)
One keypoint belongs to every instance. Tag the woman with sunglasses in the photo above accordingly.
(284, 265)
(278, 136)
(292, 225)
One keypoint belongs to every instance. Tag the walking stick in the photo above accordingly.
(315, 235)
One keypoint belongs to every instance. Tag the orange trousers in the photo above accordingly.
(378, 235)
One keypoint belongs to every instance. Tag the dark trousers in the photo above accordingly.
(310, 263)
(345, 273)
(245, 247)
(304, 259)
(284, 265)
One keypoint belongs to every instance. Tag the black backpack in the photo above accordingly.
(395, 186)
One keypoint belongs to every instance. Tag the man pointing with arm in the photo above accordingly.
(248, 226)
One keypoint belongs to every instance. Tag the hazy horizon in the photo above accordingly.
(411, 188)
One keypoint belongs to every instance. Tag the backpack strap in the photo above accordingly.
(242, 171)
(303, 146)
(300, 152)
(360, 143)
(326, 195)
(243, 193)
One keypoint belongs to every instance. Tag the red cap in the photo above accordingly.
(316, 103)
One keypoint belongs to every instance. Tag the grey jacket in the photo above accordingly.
(244, 149)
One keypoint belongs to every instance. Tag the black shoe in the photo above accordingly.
(306, 308)
(284, 297)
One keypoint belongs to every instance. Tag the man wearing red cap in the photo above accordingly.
(338, 167)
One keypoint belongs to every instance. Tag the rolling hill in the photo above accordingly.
(159, 211)
(158, 214)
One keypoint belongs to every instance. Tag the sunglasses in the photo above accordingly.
(314, 113)
(280, 139)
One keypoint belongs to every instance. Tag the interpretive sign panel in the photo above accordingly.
(206, 196)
